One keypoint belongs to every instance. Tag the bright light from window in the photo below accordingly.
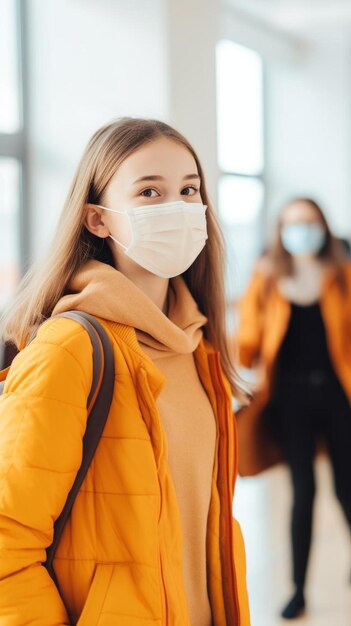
(240, 199)
(239, 106)
(9, 68)
(9, 239)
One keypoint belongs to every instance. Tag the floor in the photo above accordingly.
(262, 507)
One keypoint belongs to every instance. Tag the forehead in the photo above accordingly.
(161, 157)
(300, 211)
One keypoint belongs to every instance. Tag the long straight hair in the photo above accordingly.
(46, 282)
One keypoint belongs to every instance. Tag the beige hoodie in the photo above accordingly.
(185, 410)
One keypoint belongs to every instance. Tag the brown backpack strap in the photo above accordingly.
(98, 406)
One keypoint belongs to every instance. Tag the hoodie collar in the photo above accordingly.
(101, 290)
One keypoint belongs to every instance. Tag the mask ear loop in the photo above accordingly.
(107, 209)
(125, 248)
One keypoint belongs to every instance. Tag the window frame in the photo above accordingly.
(15, 144)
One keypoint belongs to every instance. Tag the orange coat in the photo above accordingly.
(264, 316)
(119, 559)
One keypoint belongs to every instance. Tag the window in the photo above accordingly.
(9, 233)
(11, 149)
(240, 158)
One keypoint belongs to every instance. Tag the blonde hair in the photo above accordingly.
(73, 244)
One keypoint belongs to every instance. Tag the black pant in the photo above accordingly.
(304, 408)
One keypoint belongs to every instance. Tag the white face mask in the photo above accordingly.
(166, 238)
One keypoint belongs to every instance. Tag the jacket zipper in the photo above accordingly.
(148, 398)
(227, 556)
(163, 584)
(163, 594)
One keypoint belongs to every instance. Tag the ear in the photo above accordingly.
(93, 221)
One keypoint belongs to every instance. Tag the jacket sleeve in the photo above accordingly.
(250, 316)
(42, 422)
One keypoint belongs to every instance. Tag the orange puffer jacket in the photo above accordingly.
(264, 316)
(119, 559)
(264, 319)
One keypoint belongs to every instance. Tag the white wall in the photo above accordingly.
(309, 131)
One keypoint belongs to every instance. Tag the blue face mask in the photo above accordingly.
(303, 238)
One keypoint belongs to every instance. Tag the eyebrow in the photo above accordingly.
(156, 177)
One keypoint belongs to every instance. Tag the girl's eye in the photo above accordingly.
(189, 191)
(149, 193)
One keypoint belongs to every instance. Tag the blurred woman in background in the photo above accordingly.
(295, 327)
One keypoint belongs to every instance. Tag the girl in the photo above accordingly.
(295, 325)
(151, 538)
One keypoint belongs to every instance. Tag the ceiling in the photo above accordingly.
(297, 15)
